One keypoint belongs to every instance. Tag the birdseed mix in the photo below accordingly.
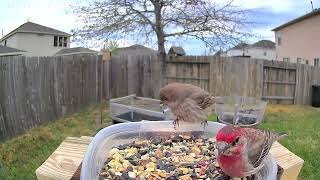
(178, 157)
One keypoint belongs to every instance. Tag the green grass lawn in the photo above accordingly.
(20, 156)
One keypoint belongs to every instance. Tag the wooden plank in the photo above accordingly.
(190, 78)
(278, 97)
(280, 82)
(275, 67)
(289, 162)
(65, 160)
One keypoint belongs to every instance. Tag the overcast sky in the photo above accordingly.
(54, 13)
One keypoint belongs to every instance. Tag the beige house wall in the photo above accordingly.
(300, 40)
(34, 44)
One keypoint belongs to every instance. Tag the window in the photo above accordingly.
(60, 41)
(307, 61)
(265, 53)
(278, 38)
(279, 41)
(287, 59)
(5, 42)
(316, 61)
(65, 41)
(55, 41)
(298, 60)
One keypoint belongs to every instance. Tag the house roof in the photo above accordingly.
(135, 50)
(264, 44)
(301, 18)
(240, 46)
(177, 50)
(136, 47)
(76, 50)
(5, 50)
(30, 27)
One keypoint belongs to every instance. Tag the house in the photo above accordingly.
(238, 50)
(8, 51)
(298, 40)
(263, 49)
(176, 51)
(134, 50)
(36, 40)
(76, 50)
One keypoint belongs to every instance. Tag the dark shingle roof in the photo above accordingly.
(135, 50)
(177, 50)
(76, 50)
(30, 27)
(6, 49)
(301, 18)
(137, 47)
(240, 46)
(264, 44)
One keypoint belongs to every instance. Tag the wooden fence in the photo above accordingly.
(40, 89)
(275, 81)
(139, 75)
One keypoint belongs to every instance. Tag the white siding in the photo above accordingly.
(236, 52)
(34, 44)
(257, 53)
(12, 41)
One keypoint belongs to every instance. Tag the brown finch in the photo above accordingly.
(187, 102)
(242, 151)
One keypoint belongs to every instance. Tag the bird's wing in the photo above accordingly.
(203, 98)
(260, 146)
(190, 111)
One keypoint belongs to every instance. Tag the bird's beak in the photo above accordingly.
(222, 147)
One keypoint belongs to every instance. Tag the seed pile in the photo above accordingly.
(178, 157)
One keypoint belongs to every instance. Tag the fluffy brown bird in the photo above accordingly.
(187, 102)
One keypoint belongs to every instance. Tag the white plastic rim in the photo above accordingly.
(106, 138)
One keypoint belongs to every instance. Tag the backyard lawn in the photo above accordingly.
(20, 156)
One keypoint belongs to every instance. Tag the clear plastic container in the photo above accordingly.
(133, 108)
(244, 111)
(123, 133)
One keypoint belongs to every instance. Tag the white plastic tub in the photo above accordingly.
(123, 133)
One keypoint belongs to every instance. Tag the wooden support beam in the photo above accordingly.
(289, 162)
(278, 97)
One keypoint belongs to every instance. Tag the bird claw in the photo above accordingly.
(175, 124)
(204, 123)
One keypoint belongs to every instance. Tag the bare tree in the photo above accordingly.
(216, 24)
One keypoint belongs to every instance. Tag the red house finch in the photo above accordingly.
(241, 151)
(187, 102)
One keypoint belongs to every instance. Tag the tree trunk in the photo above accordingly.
(160, 38)
(161, 49)
(159, 29)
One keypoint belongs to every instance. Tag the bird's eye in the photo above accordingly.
(235, 141)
